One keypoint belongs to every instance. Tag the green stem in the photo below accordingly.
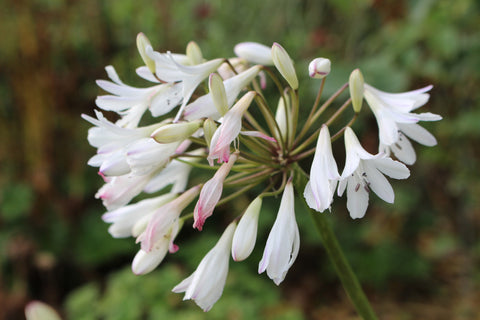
(342, 267)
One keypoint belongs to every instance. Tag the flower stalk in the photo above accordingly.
(342, 267)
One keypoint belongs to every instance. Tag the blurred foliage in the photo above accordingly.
(421, 254)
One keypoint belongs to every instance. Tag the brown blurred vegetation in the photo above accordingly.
(418, 259)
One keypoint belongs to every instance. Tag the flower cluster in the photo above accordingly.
(228, 128)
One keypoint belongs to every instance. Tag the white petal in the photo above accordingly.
(391, 168)
(419, 134)
(357, 198)
(404, 151)
(378, 183)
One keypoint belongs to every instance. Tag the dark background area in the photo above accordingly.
(417, 259)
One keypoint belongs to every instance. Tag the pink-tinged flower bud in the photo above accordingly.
(205, 285)
(211, 193)
(319, 68)
(209, 128)
(356, 85)
(194, 53)
(229, 129)
(284, 65)
(246, 233)
(254, 52)
(145, 262)
(176, 131)
(142, 44)
(219, 96)
(164, 218)
(37, 310)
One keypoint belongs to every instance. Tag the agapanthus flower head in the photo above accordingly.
(251, 149)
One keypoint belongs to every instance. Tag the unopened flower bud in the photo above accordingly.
(142, 44)
(194, 53)
(219, 96)
(176, 131)
(254, 52)
(319, 68)
(246, 233)
(284, 65)
(37, 310)
(356, 85)
(209, 128)
(281, 117)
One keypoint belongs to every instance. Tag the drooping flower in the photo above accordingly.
(37, 310)
(323, 174)
(283, 241)
(403, 149)
(246, 233)
(206, 284)
(391, 109)
(211, 193)
(364, 172)
(229, 129)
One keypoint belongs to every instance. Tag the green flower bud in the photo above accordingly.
(284, 65)
(209, 128)
(176, 131)
(219, 96)
(194, 53)
(142, 44)
(356, 85)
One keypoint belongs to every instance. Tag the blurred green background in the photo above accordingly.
(418, 259)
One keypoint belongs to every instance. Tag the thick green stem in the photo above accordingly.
(342, 267)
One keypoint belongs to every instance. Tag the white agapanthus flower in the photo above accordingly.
(364, 172)
(391, 109)
(283, 241)
(323, 174)
(205, 285)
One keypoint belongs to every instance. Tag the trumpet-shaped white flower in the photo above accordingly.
(229, 130)
(211, 193)
(169, 70)
(364, 172)
(246, 233)
(124, 218)
(323, 174)
(254, 52)
(391, 109)
(283, 241)
(206, 284)
(112, 142)
(204, 107)
(131, 102)
(403, 149)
